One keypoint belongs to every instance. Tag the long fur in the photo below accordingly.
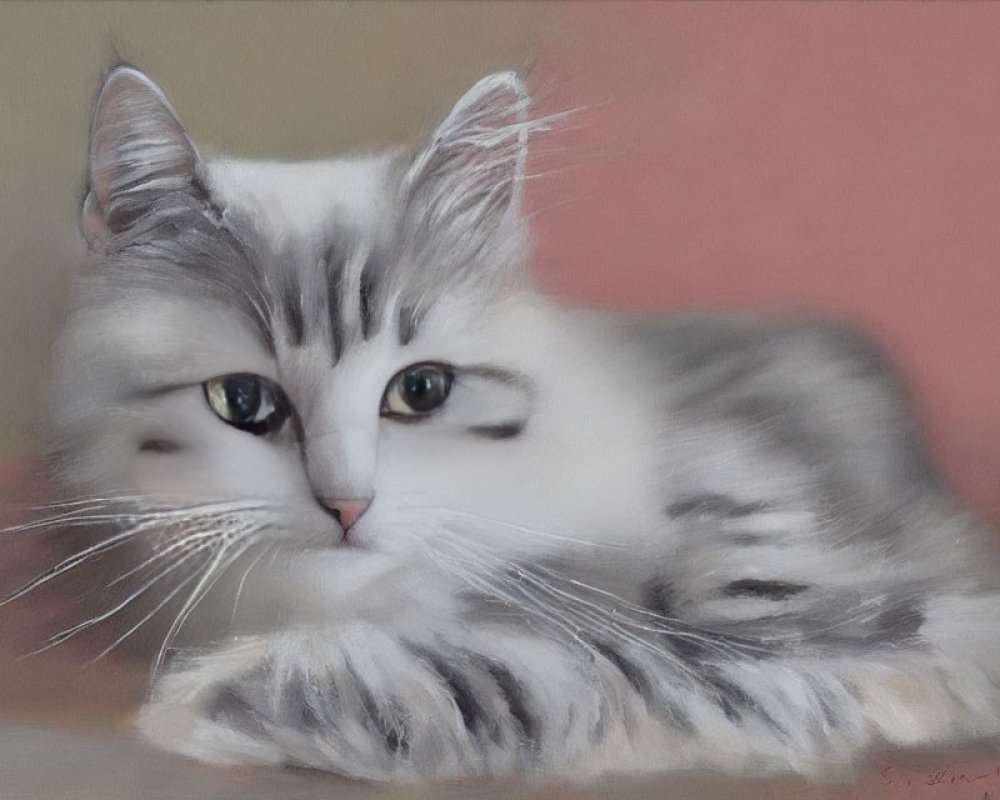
(623, 544)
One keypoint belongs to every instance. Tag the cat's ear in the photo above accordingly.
(139, 153)
(471, 174)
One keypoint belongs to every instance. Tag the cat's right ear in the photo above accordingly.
(139, 152)
(471, 175)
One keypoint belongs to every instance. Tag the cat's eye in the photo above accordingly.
(417, 390)
(248, 402)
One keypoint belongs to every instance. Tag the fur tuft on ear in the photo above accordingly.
(470, 178)
(139, 153)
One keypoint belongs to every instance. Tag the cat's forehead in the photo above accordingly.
(304, 199)
(323, 241)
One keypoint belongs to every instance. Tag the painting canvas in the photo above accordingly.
(577, 400)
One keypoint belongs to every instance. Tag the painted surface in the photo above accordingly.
(839, 158)
(829, 157)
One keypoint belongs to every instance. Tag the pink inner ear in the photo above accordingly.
(478, 152)
(138, 150)
(92, 222)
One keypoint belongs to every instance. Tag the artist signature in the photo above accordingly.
(893, 775)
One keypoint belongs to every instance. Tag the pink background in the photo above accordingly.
(838, 158)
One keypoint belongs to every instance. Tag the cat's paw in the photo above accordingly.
(358, 702)
(180, 718)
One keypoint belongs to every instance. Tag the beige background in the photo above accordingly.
(279, 80)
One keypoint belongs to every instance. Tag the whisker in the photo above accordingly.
(69, 633)
(211, 575)
(141, 513)
(72, 519)
(89, 500)
(68, 564)
(595, 618)
(523, 529)
(141, 523)
(479, 582)
(655, 623)
(530, 590)
(243, 579)
(180, 544)
(659, 623)
(170, 596)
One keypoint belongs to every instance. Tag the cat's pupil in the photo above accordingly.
(424, 389)
(249, 402)
(243, 397)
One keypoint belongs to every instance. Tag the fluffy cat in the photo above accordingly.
(461, 530)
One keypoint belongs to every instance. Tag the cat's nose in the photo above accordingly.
(346, 511)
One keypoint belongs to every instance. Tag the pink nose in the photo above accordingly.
(347, 511)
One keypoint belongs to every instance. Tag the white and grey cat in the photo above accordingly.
(467, 531)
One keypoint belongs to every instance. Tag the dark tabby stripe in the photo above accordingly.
(766, 590)
(658, 597)
(367, 300)
(663, 708)
(499, 431)
(635, 676)
(158, 446)
(901, 622)
(713, 505)
(296, 709)
(395, 736)
(517, 702)
(231, 709)
(475, 717)
(407, 324)
(733, 701)
(291, 304)
(334, 267)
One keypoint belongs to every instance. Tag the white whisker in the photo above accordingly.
(68, 564)
(186, 540)
(584, 620)
(595, 618)
(243, 579)
(170, 596)
(139, 523)
(69, 633)
(215, 569)
(559, 537)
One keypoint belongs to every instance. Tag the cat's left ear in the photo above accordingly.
(139, 153)
(471, 174)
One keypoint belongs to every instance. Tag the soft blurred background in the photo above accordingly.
(835, 158)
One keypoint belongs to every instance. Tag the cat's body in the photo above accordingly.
(616, 543)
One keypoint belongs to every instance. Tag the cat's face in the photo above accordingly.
(346, 344)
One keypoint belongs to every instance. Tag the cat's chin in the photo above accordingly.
(325, 583)
(329, 563)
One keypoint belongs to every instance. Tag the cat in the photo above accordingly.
(461, 530)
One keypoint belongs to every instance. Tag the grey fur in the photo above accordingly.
(624, 543)
(770, 590)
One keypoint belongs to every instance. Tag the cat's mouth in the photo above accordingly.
(323, 583)
(348, 543)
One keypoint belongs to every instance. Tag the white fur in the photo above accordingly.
(533, 551)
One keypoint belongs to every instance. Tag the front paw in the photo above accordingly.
(357, 702)
(183, 714)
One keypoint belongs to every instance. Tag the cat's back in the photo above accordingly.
(801, 431)
(816, 397)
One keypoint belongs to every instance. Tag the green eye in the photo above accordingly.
(417, 391)
(248, 402)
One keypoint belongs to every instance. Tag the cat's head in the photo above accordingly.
(351, 342)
